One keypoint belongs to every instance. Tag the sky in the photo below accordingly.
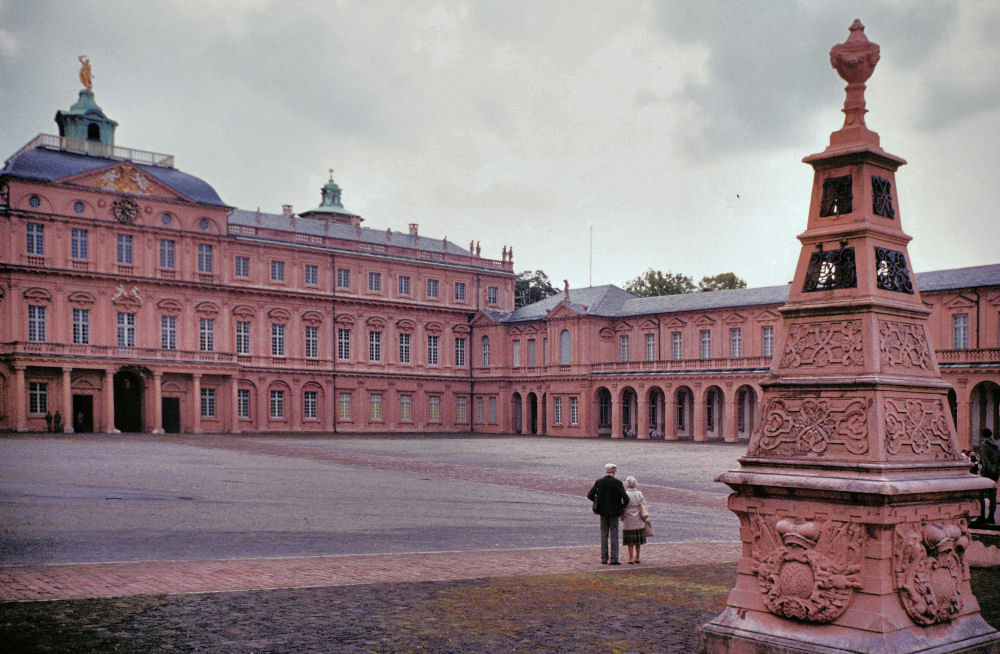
(598, 139)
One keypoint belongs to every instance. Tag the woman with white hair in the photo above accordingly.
(634, 520)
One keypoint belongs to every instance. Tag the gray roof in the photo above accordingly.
(956, 278)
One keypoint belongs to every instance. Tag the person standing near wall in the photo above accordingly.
(989, 461)
(610, 499)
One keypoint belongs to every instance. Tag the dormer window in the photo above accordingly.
(94, 132)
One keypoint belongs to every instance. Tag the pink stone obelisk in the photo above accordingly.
(853, 498)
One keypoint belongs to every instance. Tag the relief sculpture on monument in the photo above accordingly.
(919, 425)
(904, 345)
(809, 426)
(928, 569)
(823, 344)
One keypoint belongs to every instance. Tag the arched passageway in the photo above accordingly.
(746, 411)
(516, 412)
(715, 414)
(603, 412)
(984, 409)
(684, 412)
(657, 402)
(630, 412)
(128, 400)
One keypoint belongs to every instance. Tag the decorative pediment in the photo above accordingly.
(279, 314)
(83, 382)
(734, 318)
(705, 321)
(482, 319)
(675, 323)
(172, 387)
(376, 322)
(531, 330)
(81, 297)
(461, 329)
(960, 302)
(623, 326)
(209, 308)
(37, 294)
(648, 325)
(405, 325)
(606, 332)
(434, 327)
(169, 305)
(766, 316)
(562, 310)
(127, 297)
(244, 311)
(345, 320)
(515, 331)
(312, 318)
(123, 178)
(994, 300)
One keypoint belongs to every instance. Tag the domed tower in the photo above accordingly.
(84, 126)
(330, 206)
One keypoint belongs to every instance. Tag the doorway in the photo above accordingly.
(83, 414)
(171, 412)
(128, 401)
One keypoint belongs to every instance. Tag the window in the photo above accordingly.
(735, 343)
(404, 348)
(312, 274)
(310, 405)
(557, 411)
(375, 406)
(432, 288)
(564, 347)
(405, 407)
(623, 347)
(461, 409)
(343, 278)
(277, 271)
(960, 331)
(168, 332)
(124, 250)
(676, 346)
(460, 351)
(277, 340)
(493, 410)
(344, 406)
(242, 267)
(208, 403)
(706, 344)
(374, 282)
(710, 410)
(432, 349)
(204, 258)
(574, 411)
(344, 344)
(460, 291)
(767, 340)
(126, 329)
(278, 405)
(38, 397)
(167, 254)
(242, 337)
(243, 402)
(36, 324)
(486, 351)
(78, 244)
(81, 326)
(374, 346)
(434, 408)
(516, 354)
(531, 352)
(650, 347)
(35, 239)
(479, 409)
(404, 285)
(312, 342)
(492, 294)
(206, 334)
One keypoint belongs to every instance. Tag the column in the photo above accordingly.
(20, 408)
(616, 429)
(196, 414)
(67, 401)
(229, 418)
(157, 412)
(729, 424)
(642, 414)
(234, 406)
(109, 403)
(698, 416)
(669, 415)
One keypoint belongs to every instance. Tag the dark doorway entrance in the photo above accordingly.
(171, 412)
(533, 412)
(83, 414)
(128, 401)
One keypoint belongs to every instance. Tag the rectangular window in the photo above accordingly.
(242, 337)
(277, 340)
(35, 239)
(78, 244)
(36, 324)
(168, 332)
(623, 347)
(312, 342)
(374, 346)
(344, 344)
(406, 407)
(557, 411)
(81, 326)
(243, 402)
(479, 409)
(516, 354)
(38, 397)
(460, 351)
(125, 249)
(460, 291)
(767, 340)
(277, 271)
(492, 294)
(735, 343)
(706, 344)
(574, 411)
(432, 349)
(404, 348)
(206, 334)
(242, 267)
(343, 278)
(461, 409)
(312, 274)
(432, 288)
(344, 406)
(167, 260)
(126, 329)
(374, 282)
(675, 346)
(205, 258)
(434, 408)
(278, 405)
(650, 347)
(531, 352)
(404, 285)
(493, 410)
(208, 403)
(375, 406)
(960, 331)
(486, 351)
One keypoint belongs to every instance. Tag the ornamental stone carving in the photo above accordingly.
(903, 345)
(811, 426)
(919, 426)
(823, 344)
(806, 569)
(928, 568)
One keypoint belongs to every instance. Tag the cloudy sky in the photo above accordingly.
(673, 131)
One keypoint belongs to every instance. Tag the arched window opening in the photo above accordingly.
(93, 132)
(486, 351)
(564, 344)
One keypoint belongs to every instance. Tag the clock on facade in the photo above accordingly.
(125, 210)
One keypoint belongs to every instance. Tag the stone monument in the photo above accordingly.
(853, 498)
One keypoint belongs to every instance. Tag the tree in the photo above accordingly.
(532, 287)
(653, 282)
(721, 282)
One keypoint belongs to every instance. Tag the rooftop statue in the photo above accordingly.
(86, 76)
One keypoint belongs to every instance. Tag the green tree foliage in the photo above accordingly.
(721, 282)
(532, 287)
(654, 282)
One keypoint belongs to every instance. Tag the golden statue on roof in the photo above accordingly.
(85, 74)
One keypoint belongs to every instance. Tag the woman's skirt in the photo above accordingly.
(633, 537)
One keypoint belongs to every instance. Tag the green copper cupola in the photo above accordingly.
(85, 122)
(330, 206)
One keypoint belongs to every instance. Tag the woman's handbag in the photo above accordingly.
(647, 530)
(643, 512)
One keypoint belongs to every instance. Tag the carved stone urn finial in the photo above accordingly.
(855, 61)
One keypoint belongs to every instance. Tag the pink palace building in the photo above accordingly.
(134, 299)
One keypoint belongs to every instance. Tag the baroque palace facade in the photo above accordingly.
(135, 299)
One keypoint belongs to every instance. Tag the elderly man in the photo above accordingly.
(610, 499)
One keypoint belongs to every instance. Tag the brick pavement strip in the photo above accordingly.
(124, 579)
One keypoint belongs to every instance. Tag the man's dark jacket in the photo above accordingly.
(611, 496)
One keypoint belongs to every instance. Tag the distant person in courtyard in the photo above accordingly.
(610, 499)
(57, 425)
(989, 462)
(634, 520)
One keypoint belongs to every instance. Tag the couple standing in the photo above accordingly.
(614, 501)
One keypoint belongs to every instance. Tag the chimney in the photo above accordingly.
(286, 209)
(413, 229)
